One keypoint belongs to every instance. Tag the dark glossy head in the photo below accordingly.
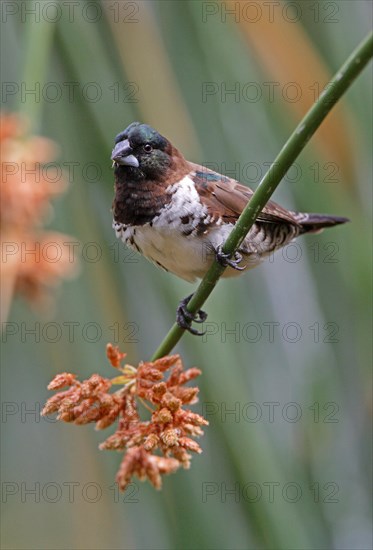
(142, 151)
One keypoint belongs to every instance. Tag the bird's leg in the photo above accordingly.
(184, 318)
(225, 260)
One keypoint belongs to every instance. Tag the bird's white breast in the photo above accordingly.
(172, 244)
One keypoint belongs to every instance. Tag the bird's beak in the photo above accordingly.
(121, 154)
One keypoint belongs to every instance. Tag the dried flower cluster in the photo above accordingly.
(33, 260)
(152, 447)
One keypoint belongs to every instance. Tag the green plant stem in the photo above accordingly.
(38, 37)
(288, 154)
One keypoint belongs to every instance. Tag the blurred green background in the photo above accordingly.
(286, 362)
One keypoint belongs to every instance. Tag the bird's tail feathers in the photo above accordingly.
(314, 223)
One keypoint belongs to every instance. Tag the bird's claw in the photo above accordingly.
(184, 318)
(225, 260)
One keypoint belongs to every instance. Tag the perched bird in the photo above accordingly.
(178, 214)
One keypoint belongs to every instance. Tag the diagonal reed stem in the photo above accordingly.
(288, 154)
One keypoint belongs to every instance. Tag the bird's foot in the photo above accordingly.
(184, 318)
(225, 260)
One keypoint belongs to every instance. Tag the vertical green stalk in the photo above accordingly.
(38, 35)
(288, 154)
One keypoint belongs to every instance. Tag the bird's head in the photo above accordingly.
(143, 153)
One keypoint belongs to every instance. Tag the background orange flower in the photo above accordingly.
(33, 260)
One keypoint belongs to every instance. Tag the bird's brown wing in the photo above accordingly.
(226, 198)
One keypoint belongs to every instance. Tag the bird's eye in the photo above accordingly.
(148, 147)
